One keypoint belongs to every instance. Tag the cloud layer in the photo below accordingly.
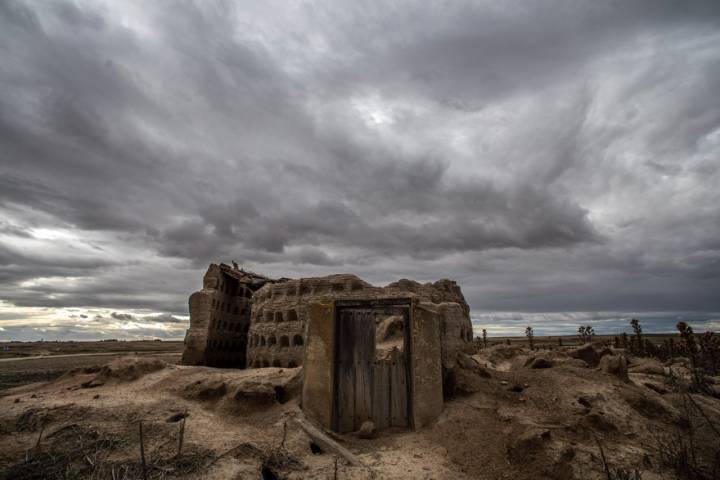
(551, 156)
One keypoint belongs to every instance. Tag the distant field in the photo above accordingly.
(28, 362)
(32, 349)
(570, 340)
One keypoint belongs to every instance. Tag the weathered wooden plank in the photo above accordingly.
(364, 354)
(398, 391)
(345, 369)
(381, 395)
(327, 443)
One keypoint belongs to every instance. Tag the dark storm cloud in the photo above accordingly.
(161, 318)
(553, 155)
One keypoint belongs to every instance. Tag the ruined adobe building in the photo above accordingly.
(220, 317)
(369, 353)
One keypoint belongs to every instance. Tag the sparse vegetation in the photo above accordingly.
(703, 351)
(586, 333)
(710, 349)
(636, 343)
(686, 332)
(530, 336)
(615, 473)
(690, 449)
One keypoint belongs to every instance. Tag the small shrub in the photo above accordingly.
(686, 332)
(586, 333)
(531, 337)
(637, 345)
(710, 352)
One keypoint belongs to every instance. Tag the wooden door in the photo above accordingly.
(368, 387)
(355, 352)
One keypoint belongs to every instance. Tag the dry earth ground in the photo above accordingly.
(522, 423)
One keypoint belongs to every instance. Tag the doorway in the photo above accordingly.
(372, 379)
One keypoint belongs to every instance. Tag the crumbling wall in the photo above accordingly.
(279, 314)
(243, 319)
(220, 318)
(453, 314)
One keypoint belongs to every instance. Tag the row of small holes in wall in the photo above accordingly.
(227, 345)
(217, 305)
(260, 341)
(313, 289)
(278, 317)
(225, 325)
(264, 363)
(239, 291)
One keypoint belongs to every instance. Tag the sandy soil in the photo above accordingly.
(524, 423)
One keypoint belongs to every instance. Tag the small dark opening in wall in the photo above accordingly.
(281, 394)
(315, 449)
(267, 473)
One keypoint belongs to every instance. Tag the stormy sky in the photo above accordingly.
(559, 159)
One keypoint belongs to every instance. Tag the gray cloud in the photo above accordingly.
(551, 156)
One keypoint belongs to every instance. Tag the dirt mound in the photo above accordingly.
(647, 405)
(203, 390)
(499, 353)
(615, 365)
(125, 369)
(35, 418)
(246, 392)
(589, 354)
(466, 377)
(648, 366)
(252, 396)
(540, 363)
(527, 444)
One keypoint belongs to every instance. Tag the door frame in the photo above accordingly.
(407, 305)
